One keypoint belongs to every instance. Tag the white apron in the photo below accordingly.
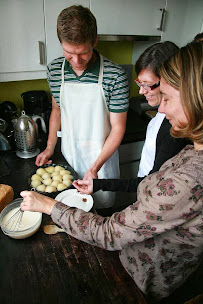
(149, 148)
(85, 125)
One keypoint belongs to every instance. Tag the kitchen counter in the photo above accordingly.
(58, 269)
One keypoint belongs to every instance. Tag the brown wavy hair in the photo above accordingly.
(76, 24)
(184, 73)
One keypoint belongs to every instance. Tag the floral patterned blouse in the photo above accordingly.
(160, 236)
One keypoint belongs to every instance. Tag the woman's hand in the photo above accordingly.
(33, 201)
(84, 186)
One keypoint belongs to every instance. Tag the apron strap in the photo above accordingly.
(101, 71)
(62, 71)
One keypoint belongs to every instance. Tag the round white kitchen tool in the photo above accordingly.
(72, 198)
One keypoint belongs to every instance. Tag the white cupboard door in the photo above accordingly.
(52, 10)
(184, 21)
(22, 30)
(129, 17)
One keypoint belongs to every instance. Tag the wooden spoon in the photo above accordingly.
(52, 229)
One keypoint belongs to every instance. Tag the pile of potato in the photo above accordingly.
(51, 179)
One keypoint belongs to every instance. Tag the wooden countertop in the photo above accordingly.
(58, 269)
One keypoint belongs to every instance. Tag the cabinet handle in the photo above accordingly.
(162, 19)
(41, 53)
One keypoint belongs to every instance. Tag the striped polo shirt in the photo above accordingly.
(115, 82)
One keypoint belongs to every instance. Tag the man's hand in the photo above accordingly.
(54, 126)
(43, 157)
(90, 174)
(84, 186)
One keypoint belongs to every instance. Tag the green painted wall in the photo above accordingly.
(118, 51)
(12, 90)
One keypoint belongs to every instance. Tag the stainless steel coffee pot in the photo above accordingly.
(26, 135)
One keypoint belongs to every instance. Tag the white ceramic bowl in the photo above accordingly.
(30, 223)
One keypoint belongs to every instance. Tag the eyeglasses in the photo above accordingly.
(147, 87)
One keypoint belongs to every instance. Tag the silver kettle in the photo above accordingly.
(26, 135)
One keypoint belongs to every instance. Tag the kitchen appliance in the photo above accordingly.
(4, 144)
(8, 112)
(26, 135)
(37, 103)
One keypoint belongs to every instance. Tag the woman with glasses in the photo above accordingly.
(159, 145)
(159, 237)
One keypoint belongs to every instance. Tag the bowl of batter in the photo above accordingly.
(29, 225)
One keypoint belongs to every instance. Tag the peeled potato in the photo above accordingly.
(46, 175)
(50, 169)
(40, 171)
(67, 176)
(61, 187)
(47, 181)
(36, 176)
(50, 189)
(59, 168)
(51, 179)
(57, 178)
(35, 183)
(55, 173)
(64, 172)
(55, 183)
(67, 182)
(41, 188)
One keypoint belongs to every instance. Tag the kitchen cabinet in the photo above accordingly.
(130, 17)
(184, 19)
(22, 39)
(29, 39)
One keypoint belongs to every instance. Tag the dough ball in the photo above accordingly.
(46, 175)
(35, 183)
(67, 182)
(41, 188)
(55, 183)
(67, 176)
(40, 171)
(50, 189)
(59, 168)
(64, 172)
(55, 173)
(47, 181)
(61, 187)
(57, 178)
(36, 176)
(50, 169)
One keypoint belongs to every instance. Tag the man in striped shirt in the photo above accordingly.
(89, 102)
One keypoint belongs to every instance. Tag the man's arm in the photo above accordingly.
(54, 126)
(118, 126)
